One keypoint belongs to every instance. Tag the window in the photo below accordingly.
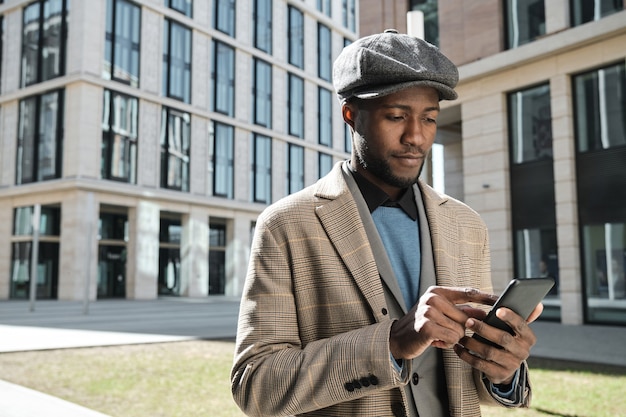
(22, 246)
(525, 21)
(224, 79)
(295, 172)
(349, 14)
(263, 25)
(324, 60)
(324, 6)
(431, 18)
(175, 145)
(40, 138)
(170, 232)
(261, 169)
(530, 124)
(217, 257)
(119, 137)
(183, 6)
(600, 165)
(583, 11)
(347, 134)
(121, 46)
(177, 63)
(262, 92)
(325, 164)
(43, 41)
(112, 253)
(325, 119)
(600, 107)
(533, 204)
(223, 160)
(295, 37)
(296, 106)
(225, 16)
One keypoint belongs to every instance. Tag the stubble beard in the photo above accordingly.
(380, 168)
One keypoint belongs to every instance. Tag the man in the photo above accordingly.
(356, 298)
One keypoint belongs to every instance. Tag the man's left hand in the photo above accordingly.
(499, 365)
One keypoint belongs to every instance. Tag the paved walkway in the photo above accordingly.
(64, 324)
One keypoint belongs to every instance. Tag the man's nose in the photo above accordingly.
(413, 133)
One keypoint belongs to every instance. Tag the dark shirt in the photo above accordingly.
(375, 197)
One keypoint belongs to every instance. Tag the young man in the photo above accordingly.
(355, 301)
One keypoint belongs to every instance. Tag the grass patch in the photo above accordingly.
(191, 378)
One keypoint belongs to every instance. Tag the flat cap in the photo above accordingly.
(381, 64)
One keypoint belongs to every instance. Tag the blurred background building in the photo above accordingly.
(146, 136)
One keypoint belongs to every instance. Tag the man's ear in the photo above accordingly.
(349, 113)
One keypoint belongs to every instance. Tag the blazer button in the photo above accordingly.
(415, 378)
(349, 387)
(356, 384)
(384, 311)
(373, 380)
(365, 382)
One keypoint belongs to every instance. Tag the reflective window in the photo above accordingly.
(170, 230)
(223, 160)
(525, 21)
(536, 255)
(263, 25)
(44, 28)
(225, 16)
(530, 127)
(122, 40)
(261, 169)
(325, 119)
(347, 135)
(40, 138)
(296, 106)
(325, 164)
(324, 6)
(48, 252)
(600, 108)
(584, 11)
(295, 172)
(604, 250)
(175, 146)
(348, 8)
(177, 61)
(295, 37)
(262, 91)
(217, 258)
(183, 6)
(119, 137)
(224, 78)
(324, 53)
(431, 18)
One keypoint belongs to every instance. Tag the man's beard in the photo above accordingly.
(381, 169)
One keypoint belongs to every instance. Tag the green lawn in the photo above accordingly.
(191, 379)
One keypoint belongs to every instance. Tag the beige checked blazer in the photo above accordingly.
(314, 319)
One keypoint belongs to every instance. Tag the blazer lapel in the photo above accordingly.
(340, 218)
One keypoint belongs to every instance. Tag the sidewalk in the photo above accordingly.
(62, 324)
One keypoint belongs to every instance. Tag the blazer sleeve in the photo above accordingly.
(276, 372)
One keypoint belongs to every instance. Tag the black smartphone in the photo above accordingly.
(521, 296)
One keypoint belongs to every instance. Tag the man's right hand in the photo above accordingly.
(436, 320)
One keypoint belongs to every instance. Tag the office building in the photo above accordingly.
(141, 139)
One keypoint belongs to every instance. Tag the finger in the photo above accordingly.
(492, 369)
(472, 312)
(460, 295)
(519, 326)
(536, 313)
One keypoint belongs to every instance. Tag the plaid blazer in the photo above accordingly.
(313, 328)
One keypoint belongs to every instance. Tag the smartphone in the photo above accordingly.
(521, 296)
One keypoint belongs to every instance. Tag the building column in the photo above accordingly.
(194, 252)
(564, 150)
(237, 254)
(79, 246)
(6, 212)
(557, 15)
(142, 267)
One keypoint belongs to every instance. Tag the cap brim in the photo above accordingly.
(445, 92)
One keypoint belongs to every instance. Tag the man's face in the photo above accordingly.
(393, 135)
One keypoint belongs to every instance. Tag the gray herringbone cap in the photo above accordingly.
(385, 63)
